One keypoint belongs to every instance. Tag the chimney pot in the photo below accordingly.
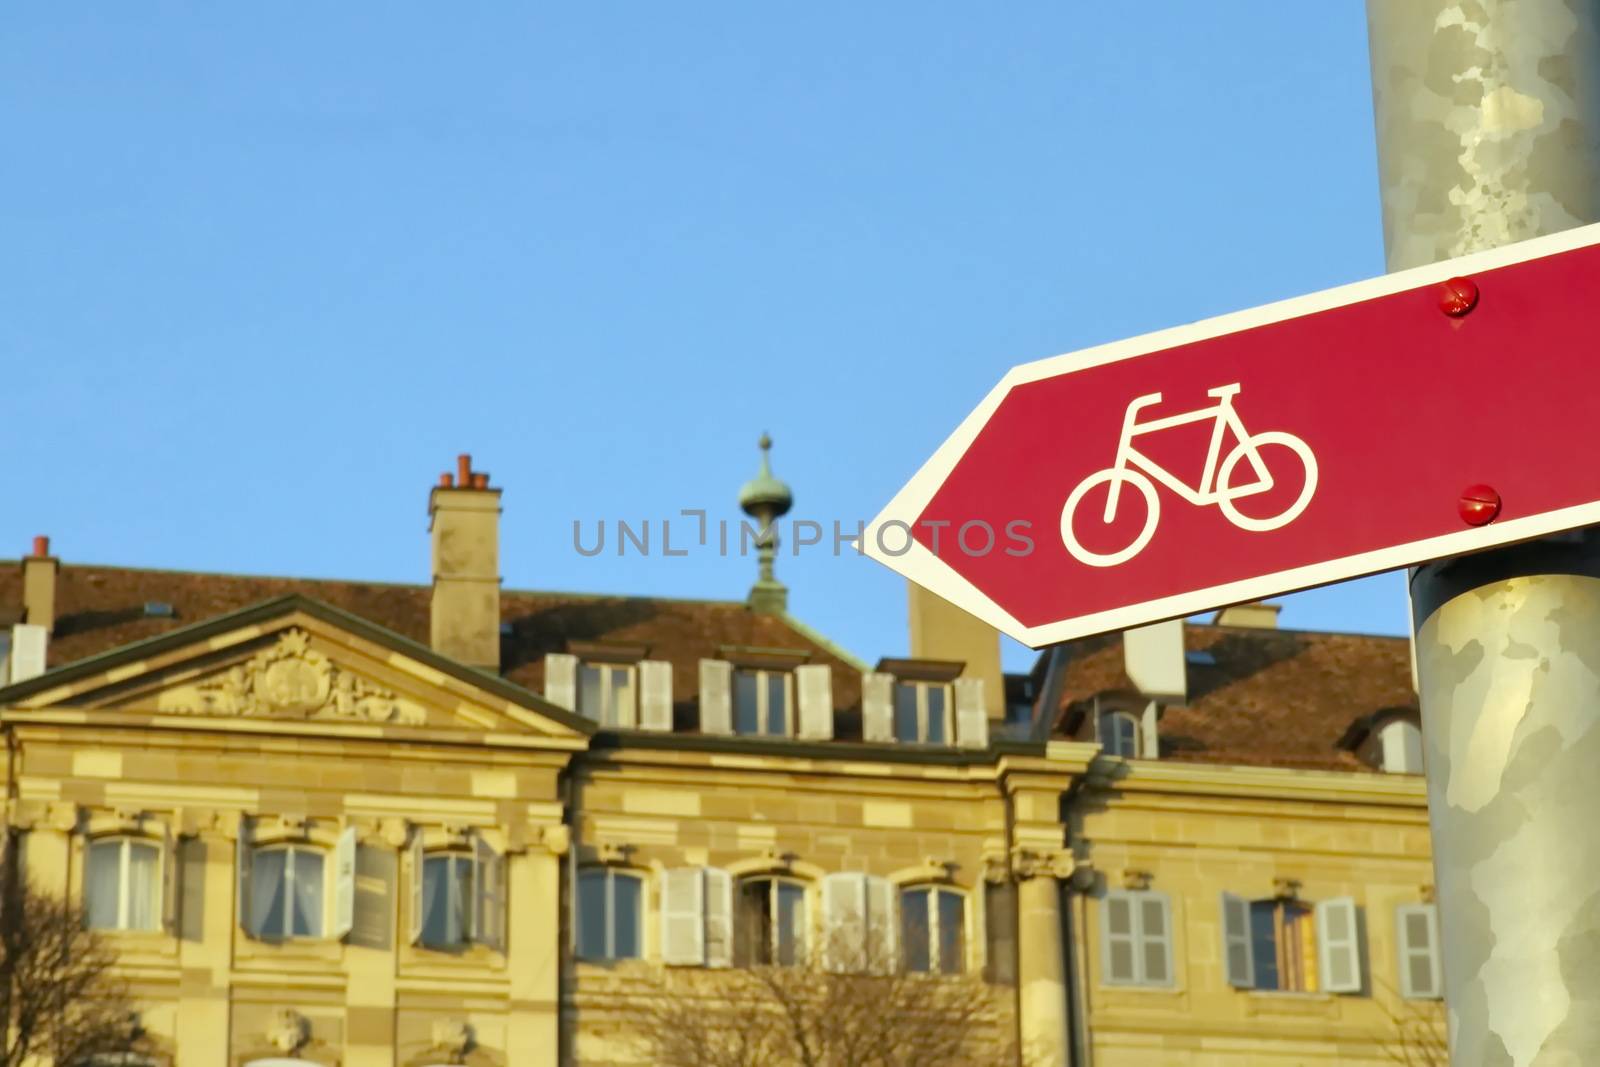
(464, 470)
(446, 480)
(41, 546)
(480, 480)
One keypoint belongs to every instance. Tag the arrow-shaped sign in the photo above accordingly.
(1422, 414)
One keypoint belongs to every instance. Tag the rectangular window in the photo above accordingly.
(286, 892)
(1137, 929)
(922, 713)
(607, 694)
(933, 930)
(608, 915)
(761, 701)
(772, 923)
(447, 900)
(123, 885)
(1283, 945)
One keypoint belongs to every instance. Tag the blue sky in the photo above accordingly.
(270, 267)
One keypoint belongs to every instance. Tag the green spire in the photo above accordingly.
(765, 499)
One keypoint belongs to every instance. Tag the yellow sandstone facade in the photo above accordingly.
(335, 824)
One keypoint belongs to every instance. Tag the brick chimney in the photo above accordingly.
(39, 585)
(464, 518)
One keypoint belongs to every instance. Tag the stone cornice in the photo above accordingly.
(1267, 783)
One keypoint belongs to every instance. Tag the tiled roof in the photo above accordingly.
(1283, 698)
(99, 608)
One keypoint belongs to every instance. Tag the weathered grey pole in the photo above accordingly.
(1488, 117)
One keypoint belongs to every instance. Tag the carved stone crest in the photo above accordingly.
(292, 680)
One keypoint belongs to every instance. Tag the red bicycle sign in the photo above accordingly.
(1134, 468)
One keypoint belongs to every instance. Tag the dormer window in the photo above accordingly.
(922, 712)
(761, 703)
(1400, 747)
(1119, 734)
(608, 693)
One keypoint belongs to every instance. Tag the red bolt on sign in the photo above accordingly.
(1458, 296)
(1478, 506)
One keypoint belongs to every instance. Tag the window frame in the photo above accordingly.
(763, 676)
(922, 687)
(627, 716)
(1407, 951)
(1108, 745)
(324, 901)
(609, 901)
(158, 898)
(1138, 938)
(771, 935)
(935, 935)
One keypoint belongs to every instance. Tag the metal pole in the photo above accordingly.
(1488, 119)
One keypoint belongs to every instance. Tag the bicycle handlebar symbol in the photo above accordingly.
(1134, 468)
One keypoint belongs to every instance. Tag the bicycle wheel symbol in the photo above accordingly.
(1256, 444)
(1110, 476)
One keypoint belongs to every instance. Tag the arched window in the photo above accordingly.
(770, 925)
(122, 889)
(1119, 734)
(1400, 749)
(933, 929)
(287, 891)
(610, 914)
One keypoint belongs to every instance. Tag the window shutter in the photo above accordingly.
(495, 902)
(1119, 956)
(487, 909)
(716, 696)
(844, 919)
(242, 860)
(1237, 960)
(1338, 946)
(344, 873)
(1417, 930)
(882, 928)
(972, 718)
(683, 915)
(415, 850)
(1155, 938)
(718, 911)
(814, 683)
(1000, 931)
(561, 680)
(655, 695)
(170, 872)
(1149, 734)
(877, 706)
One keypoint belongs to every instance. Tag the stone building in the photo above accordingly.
(356, 824)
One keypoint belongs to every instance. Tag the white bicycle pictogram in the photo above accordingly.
(1216, 486)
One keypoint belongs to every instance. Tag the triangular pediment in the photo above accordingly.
(296, 661)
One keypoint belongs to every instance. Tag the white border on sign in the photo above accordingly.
(923, 567)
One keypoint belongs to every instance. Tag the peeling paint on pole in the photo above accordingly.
(1488, 119)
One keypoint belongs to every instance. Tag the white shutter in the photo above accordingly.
(28, 645)
(344, 873)
(844, 920)
(655, 695)
(417, 868)
(488, 909)
(242, 857)
(170, 874)
(1238, 963)
(1119, 955)
(1417, 934)
(561, 680)
(972, 717)
(1149, 734)
(881, 929)
(1338, 946)
(716, 696)
(815, 684)
(877, 706)
(1153, 919)
(683, 916)
(718, 914)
